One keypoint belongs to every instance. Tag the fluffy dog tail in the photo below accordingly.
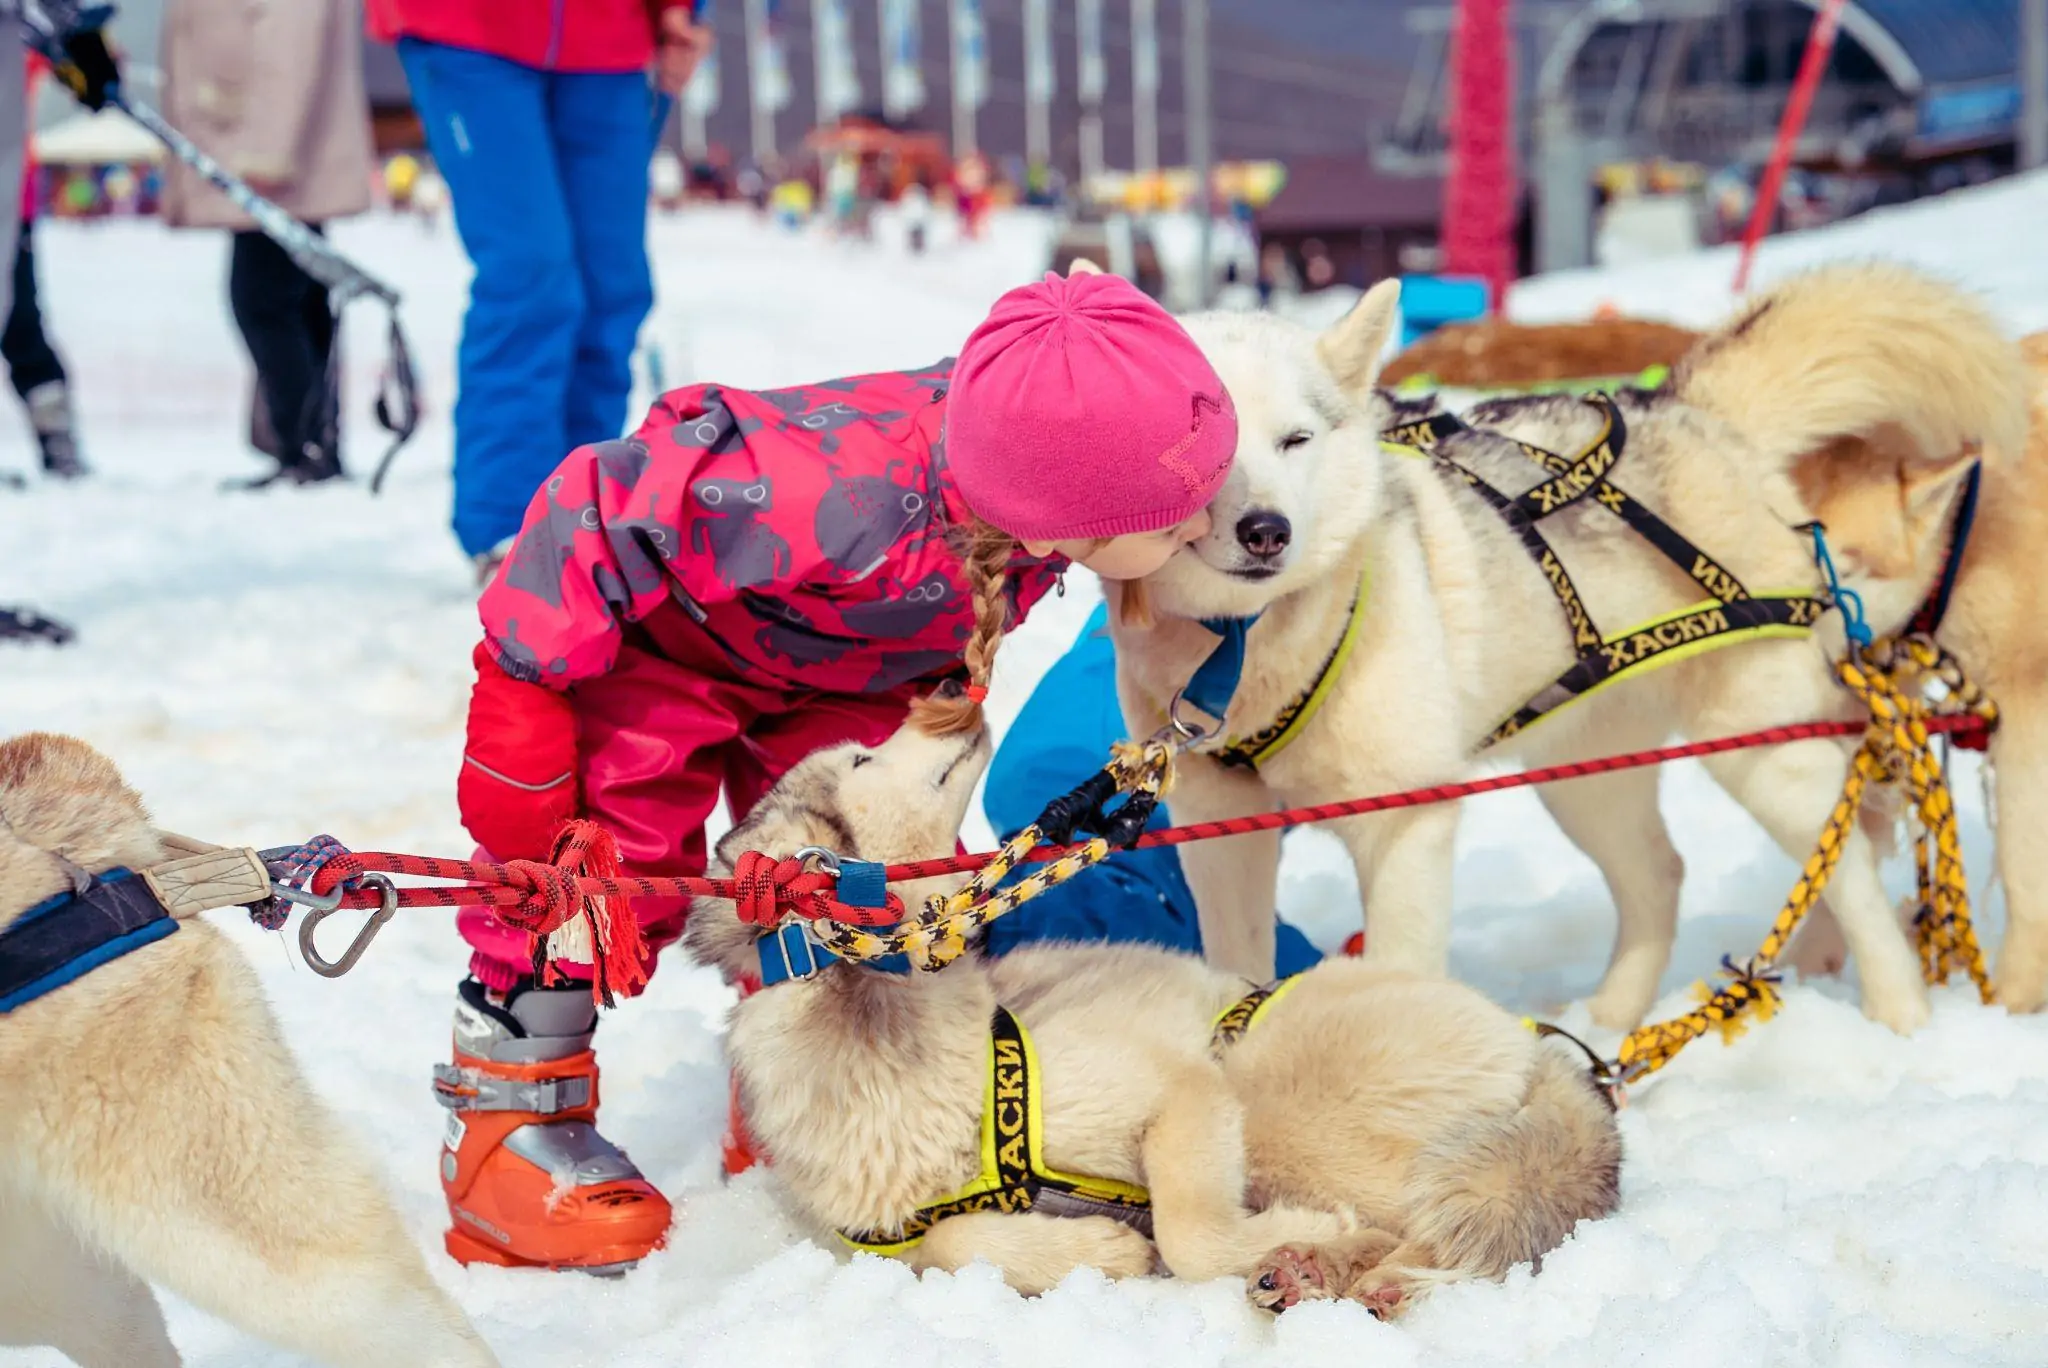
(1511, 1191)
(1873, 352)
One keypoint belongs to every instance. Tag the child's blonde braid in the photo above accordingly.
(951, 712)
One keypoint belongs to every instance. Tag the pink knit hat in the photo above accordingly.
(1080, 409)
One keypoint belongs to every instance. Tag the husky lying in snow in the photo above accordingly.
(1456, 627)
(156, 1128)
(1373, 1131)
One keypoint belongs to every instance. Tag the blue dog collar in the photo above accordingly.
(792, 952)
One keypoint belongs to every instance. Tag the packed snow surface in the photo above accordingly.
(269, 666)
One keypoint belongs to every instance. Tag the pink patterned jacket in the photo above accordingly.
(802, 529)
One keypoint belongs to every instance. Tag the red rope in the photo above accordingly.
(766, 889)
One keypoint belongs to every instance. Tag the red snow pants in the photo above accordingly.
(658, 739)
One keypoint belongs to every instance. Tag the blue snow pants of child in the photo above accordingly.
(547, 173)
(1063, 736)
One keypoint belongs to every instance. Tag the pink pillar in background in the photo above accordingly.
(1481, 194)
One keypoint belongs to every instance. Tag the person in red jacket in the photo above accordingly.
(541, 121)
(751, 576)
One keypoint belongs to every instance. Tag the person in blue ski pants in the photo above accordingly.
(1062, 736)
(547, 173)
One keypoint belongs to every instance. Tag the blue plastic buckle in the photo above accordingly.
(791, 953)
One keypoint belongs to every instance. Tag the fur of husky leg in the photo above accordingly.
(1195, 1170)
(56, 1291)
(1035, 1252)
(160, 1115)
(1790, 790)
(2019, 753)
(1404, 861)
(1615, 819)
(1230, 875)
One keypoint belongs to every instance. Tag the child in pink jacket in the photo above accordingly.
(749, 577)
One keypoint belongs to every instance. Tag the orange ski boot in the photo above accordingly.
(529, 1181)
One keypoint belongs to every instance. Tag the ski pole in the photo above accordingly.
(308, 251)
(52, 27)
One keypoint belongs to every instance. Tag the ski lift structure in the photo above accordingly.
(1928, 92)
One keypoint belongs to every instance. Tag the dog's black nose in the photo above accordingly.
(1265, 534)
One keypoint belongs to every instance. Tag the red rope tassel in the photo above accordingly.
(610, 934)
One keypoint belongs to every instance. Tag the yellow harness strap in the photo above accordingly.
(1014, 1176)
(1731, 613)
(1236, 1020)
(1250, 752)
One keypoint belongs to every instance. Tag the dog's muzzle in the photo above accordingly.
(1263, 537)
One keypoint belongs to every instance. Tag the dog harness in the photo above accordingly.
(792, 952)
(1730, 614)
(1928, 619)
(1014, 1177)
(1234, 1022)
(63, 938)
(1249, 752)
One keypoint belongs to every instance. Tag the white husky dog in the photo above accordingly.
(1372, 1132)
(1456, 627)
(155, 1127)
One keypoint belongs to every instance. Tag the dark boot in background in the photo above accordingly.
(49, 413)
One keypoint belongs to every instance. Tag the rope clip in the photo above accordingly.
(828, 860)
(1847, 601)
(1178, 732)
(387, 908)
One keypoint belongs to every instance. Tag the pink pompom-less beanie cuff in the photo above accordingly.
(1080, 409)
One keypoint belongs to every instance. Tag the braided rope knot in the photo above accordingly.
(766, 889)
(552, 897)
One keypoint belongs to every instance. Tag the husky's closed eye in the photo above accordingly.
(862, 759)
(1297, 438)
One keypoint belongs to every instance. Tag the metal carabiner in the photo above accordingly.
(387, 909)
(828, 860)
(1180, 733)
(322, 903)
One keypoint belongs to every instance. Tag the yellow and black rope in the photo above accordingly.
(1895, 749)
(938, 935)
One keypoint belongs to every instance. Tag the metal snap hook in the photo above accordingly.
(273, 859)
(1180, 732)
(828, 860)
(388, 908)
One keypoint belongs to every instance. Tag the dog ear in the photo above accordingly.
(1351, 350)
(1925, 486)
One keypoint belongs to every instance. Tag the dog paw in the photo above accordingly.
(1286, 1277)
(1903, 1010)
(1383, 1293)
(2021, 978)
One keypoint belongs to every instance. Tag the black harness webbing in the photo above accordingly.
(1927, 621)
(1731, 613)
(62, 939)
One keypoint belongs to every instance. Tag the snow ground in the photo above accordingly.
(265, 667)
